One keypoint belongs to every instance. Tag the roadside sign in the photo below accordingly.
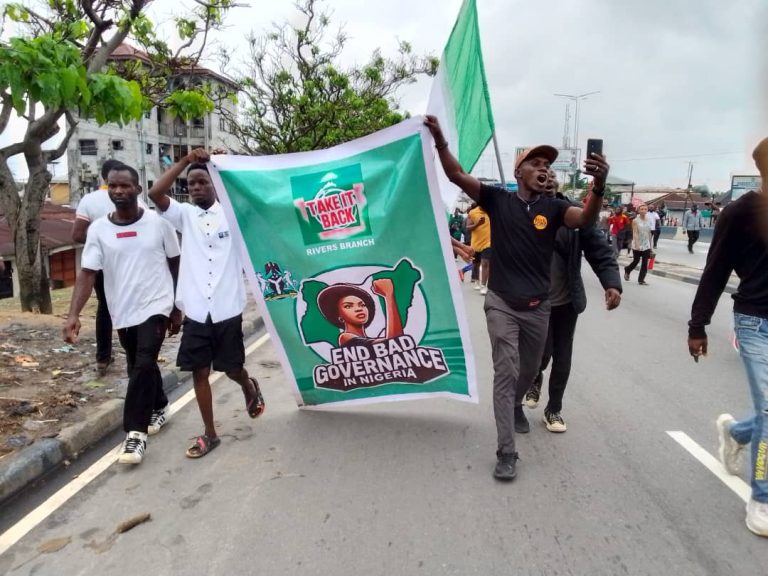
(567, 159)
(741, 184)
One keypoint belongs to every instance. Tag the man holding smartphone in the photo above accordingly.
(523, 228)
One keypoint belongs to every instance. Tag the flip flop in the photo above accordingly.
(203, 444)
(255, 406)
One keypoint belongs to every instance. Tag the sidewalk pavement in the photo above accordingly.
(674, 261)
(32, 463)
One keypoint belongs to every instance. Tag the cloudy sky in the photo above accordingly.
(678, 79)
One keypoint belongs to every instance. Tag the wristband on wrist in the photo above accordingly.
(442, 145)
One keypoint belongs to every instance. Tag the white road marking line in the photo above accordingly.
(741, 488)
(31, 520)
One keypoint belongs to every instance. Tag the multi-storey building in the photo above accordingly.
(154, 142)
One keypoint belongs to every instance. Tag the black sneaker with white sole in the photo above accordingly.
(554, 421)
(533, 395)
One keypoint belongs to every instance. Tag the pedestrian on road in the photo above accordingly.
(655, 220)
(740, 244)
(211, 292)
(139, 256)
(523, 228)
(602, 222)
(91, 207)
(479, 226)
(692, 224)
(641, 244)
(618, 222)
(569, 299)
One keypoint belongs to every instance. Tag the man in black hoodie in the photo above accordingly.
(740, 244)
(569, 299)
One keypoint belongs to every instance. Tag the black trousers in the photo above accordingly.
(559, 349)
(103, 322)
(655, 235)
(637, 256)
(145, 383)
(693, 236)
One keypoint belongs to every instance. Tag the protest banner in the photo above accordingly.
(348, 252)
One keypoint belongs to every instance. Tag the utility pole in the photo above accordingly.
(688, 190)
(576, 98)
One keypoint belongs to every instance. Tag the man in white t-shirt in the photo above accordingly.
(211, 292)
(138, 253)
(91, 207)
(655, 222)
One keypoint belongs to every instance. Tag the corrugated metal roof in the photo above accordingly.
(55, 229)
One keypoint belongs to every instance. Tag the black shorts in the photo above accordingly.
(486, 254)
(217, 344)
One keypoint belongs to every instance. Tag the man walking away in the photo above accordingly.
(655, 220)
(740, 244)
(569, 299)
(692, 224)
(139, 255)
(211, 292)
(523, 228)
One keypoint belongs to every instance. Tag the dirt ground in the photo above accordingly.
(46, 383)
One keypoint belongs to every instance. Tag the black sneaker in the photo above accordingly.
(554, 421)
(626, 275)
(522, 426)
(533, 395)
(505, 466)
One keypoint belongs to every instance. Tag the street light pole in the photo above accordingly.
(576, 98)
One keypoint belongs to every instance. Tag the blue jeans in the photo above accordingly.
(752, 334)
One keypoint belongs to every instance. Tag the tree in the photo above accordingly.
(57, 68)
(297, 95)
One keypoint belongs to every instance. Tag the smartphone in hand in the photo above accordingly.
(594, 146)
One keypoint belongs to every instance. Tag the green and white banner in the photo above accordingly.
(348, 253)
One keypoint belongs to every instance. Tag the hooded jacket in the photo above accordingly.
(570, 244)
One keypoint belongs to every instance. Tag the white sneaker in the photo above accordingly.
(133, 448)
(729, 451)
(757, 517)
(157, 421)
(477, 286)
(483, 290)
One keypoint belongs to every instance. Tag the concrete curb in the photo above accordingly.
(36, 461)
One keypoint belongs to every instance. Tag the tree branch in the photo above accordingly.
(100, 56)
(5, 111)
(50, 155)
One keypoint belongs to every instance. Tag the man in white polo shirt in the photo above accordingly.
(91, 207)
(211, 292)
(138, 253)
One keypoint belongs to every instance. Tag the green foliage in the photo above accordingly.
(296, 94)
(188, 104)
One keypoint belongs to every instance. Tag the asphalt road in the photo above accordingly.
(406, 488)
(676, 252)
